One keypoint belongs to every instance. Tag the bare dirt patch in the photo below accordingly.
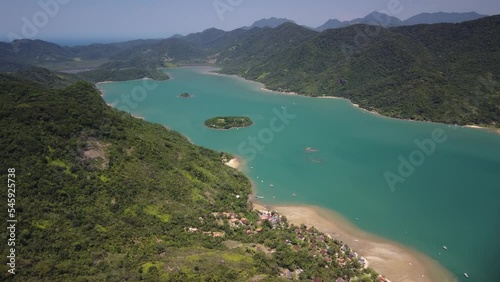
(95, 151)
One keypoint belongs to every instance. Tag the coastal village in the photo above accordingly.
(330, 252)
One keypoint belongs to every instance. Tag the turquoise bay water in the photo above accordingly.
(451, 198)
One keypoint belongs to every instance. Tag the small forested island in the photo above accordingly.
(228, 122)
(185, 95)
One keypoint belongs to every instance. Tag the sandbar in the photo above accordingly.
(390, 259)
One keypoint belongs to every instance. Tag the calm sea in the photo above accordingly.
(425, 185)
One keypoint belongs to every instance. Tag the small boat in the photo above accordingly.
(271, 185)
(294, 195)
(311, 150)
(259, 197)
(444, 247)
(466, 275)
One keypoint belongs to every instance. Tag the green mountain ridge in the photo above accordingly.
(440, 72)
(445, 73)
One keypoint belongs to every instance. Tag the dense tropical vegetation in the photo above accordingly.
(228, 122)
(447, 72)
(103, 196)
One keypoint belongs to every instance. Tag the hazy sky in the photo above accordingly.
(127, 19)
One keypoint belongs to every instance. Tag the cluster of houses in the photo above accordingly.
(209, 233)
(320, 245)
(236, 221)
(273, 217)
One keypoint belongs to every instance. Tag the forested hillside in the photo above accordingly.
(93, 63)
(446, 73)
(102, 196)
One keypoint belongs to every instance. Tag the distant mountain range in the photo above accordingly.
(433, 18)
(271, 22)
(376, 18)
(439, 72)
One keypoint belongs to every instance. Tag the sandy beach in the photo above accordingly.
(495, 130)
(102, 82)
(278, 92)
(234, 163)
(394, 261)
(139, 117)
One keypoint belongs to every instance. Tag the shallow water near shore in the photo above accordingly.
(328, 153)
(394, 261)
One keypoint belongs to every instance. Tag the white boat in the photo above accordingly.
(294, 194)
(466, 275)
(444, 247)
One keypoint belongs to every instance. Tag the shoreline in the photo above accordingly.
(323, 97)
(383, 255)
(474, 126)
(490, 129)
(390, 259)
(211, 70)
(280, 92)
(106, 81)
(355, 105)
(111, 104)
(114, 81)
(264, 89)
(223, 129)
